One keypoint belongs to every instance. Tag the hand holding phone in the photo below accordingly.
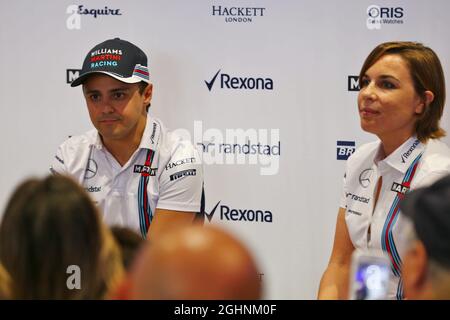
(370, 275)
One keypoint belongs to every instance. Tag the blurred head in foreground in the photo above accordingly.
(54, 245)
(195, 262)
(426, 266)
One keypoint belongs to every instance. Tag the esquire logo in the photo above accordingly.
(75, 12)
(229, 213)
(227, 81)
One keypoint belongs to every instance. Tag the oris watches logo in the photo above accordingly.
(378, 16)
(239, 83)
(245, 215)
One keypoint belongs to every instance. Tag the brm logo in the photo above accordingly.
(240, 83)
(246, 215)
(353, 83)
(345, 149)
(72, 75)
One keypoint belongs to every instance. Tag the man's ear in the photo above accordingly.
(427, 98)
(148, 93)
(415, 271)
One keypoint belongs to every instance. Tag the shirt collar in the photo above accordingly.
(152, 133)
(402, 157)
(149, 140)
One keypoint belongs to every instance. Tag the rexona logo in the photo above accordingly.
(353, 83)
(226, 81)
(377, 16)
(245, 215)
(345, 149)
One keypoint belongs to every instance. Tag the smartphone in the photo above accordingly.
(369, 276)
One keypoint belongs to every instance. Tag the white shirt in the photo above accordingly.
(164, 172)
(383, 227)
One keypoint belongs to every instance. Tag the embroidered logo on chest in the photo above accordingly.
(145, 170)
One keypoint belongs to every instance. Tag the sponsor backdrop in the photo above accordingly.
(265, 89)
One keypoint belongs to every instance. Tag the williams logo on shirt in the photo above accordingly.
(399, 188)
(145, 170)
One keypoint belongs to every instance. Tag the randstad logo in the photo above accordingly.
(245, 215)
(239, 83)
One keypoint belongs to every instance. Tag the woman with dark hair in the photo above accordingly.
(401, 101)
(50, 231)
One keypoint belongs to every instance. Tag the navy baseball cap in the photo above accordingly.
(117, 58)
(429, 210)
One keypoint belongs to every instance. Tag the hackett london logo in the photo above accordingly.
(238, 14)
(75, 12)
(227, 81)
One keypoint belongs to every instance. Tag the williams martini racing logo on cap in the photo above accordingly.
(105, 57)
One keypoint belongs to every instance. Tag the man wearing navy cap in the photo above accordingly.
(426, 266)
(140, 175)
